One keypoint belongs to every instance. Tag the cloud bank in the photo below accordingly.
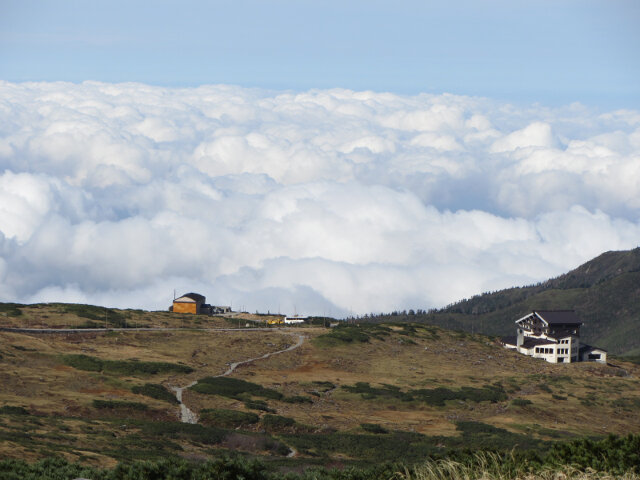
(326, 201)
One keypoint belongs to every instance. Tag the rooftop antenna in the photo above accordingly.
(174, 293)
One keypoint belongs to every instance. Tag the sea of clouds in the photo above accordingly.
(326, 201)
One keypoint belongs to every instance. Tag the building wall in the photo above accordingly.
(596, 355)
(181, 307)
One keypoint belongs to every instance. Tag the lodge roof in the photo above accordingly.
(528, 342)
(584, 348)
(190, 297)
(559, 317)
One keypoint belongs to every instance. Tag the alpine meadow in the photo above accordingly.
(293, 240)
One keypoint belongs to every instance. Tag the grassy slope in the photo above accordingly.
(589, 399)
(605, 292)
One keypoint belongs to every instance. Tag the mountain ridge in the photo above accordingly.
(604, 292)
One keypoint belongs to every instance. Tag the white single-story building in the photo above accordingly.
(295, 319)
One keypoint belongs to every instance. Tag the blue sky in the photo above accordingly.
(523, 52)
(318, 156)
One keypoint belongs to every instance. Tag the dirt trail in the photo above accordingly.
(188, 416)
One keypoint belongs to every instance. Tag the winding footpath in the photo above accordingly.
(188, 416)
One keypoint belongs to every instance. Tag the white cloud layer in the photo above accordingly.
(327, 201)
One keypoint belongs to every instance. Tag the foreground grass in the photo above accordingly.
(481, 466)
(493, 467)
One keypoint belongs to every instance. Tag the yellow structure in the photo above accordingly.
(188, 303)
(275, 321)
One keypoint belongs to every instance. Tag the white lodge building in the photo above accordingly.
(553, 335)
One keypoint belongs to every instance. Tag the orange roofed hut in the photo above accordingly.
(189, 303)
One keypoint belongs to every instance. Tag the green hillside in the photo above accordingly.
(605, 292)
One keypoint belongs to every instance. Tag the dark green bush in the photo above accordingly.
(11, 410)
(233, 388)
(436, 396)
(49, 469)
(157, 391)
(324, 386)
(631, 358)
(612, 454)
(521, 402)
(119, 404)
(220, 417)
(186, 431)
(258, 405)
(630, 403)
(297, 399)
(373, 428)
(83, 362)
(277, 422)
(11, 309)
(93, 312)
(346, 333)
(123, 367)
(369, 448)
(477, 435)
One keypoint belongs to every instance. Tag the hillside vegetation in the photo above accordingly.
(605, 292)
(350, 396)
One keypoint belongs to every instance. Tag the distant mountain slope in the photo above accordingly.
(605, 292)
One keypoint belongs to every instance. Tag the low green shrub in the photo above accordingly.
(626, 403)
(612, 454)
(157, 391)
(277, 422)
(373, 428)
(122, 367)
(12, 410)
(368, 448)
(477, 435)
(84, 362)
(224, 418)
(436, 396)
(347, 333)
(193, 432)
(233, 388)
(323, 386)
(11, 309)
(93, 312)
(631, 358)
(119, 404)
(297, 399)
(521, 402)
(258, 405)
